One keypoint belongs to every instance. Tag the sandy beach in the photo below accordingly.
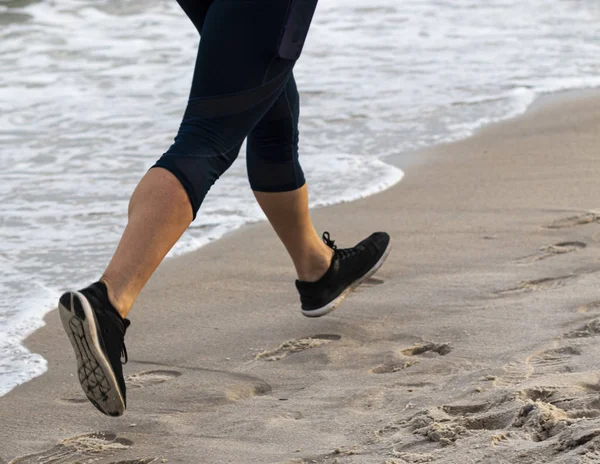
(477, 342)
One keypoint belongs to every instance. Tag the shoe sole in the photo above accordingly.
(95, 373)
(335, 303)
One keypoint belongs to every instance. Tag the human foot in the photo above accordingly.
(97, 331)
(349, 268)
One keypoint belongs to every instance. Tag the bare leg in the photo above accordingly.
(288, 214)
(159, 213)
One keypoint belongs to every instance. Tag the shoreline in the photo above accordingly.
(542, 101)
(397, 161)
(469, 214)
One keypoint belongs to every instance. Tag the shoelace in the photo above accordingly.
(330, 243)
(343, 252)
(124, 357)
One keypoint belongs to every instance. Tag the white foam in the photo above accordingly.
(17, 363)
(222, 213)
(230, 216)
(99, 94)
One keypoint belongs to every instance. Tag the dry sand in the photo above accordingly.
(476, 343)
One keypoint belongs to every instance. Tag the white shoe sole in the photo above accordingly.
(95, 373)
(335, 303)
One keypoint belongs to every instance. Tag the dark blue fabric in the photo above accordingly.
(296, 28)
(241, 88)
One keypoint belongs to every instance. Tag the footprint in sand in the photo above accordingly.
(247, 388)
(580, 437)
(433, 424)
(550, 361)
(150, 378)
(491, 416)
(547, 283)
(515, 372)
(577, 400)
(566, 418)
(398, 364)
(390, 368)
(565, 411)
(588, 307)
(538, 414)
(591, 329)
(79, 448)
(446, 425)
(296, 346)
(428, 348)
(573, 221)
(541, 421)
(552, 250)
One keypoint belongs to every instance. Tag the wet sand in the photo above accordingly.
(477, 342)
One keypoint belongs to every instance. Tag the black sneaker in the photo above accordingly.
(97, 331)
(349, 268)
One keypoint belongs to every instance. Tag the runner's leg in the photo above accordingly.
(278, 183)
(238, 77)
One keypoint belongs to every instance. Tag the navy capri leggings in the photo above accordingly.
(243, 86)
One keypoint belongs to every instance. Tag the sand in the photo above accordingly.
(477, 342)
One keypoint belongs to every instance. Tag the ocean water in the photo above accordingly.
(92, 92)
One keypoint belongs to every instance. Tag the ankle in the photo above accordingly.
(118, 300)
(315, 266)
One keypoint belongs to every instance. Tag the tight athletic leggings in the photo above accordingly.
(242, 87)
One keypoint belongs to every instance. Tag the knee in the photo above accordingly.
(272, 151)
(160, 191)
(274, 167)
(195, 174)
